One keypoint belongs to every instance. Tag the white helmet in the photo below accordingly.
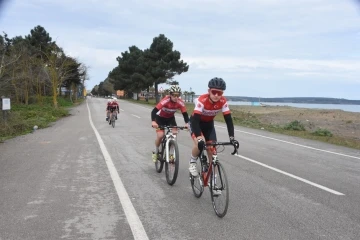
(175, 88)
(109, 101)
(114, 100)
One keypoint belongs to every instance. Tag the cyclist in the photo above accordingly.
(107, 109)
(116, 105)
(164, 114)
(202, 127)
(113, 108)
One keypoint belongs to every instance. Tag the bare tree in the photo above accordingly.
(58, 66)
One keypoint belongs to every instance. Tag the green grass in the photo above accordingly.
(294, 128)
(22, 118)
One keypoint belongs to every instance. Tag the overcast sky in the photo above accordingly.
(266, 48)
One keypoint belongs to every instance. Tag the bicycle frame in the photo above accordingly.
(206, 175)
(167, 137)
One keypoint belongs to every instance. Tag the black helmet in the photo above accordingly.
(217, 83)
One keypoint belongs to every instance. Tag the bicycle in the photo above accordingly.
(112, 119)
(213, 175)
(164, 155)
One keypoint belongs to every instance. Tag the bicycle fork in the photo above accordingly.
(168, 138)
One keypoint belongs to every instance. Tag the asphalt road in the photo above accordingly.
(83, 179)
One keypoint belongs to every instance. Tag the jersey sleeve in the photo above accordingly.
(182, 106)
(225, 108)
(199, 107)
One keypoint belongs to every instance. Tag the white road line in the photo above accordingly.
(293, 176)
(121, 109)
(135, 116)
(285, 173)
(142, 106)
(279, 140)
(134, 221)
(296, 144)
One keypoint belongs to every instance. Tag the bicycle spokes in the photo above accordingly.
(219, 190)
(172, 162)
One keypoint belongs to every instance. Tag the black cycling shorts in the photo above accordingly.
(207, 130)
(161, 121)
(112, 109)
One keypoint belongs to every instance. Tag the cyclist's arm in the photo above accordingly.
(195, 124)
(153, 113)
(195, 118)
(228, 119)
(229, 124)
(186, 117)
(184, 112)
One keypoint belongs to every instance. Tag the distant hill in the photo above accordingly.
(309, 100)
(315, 100)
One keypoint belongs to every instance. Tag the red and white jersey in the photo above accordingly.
(113, 105)
(167, 108)
(208, 110)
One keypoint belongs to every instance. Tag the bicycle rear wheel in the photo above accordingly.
(172, 167)
(159, 164)
(219, 190)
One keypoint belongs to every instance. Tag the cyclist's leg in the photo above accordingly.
(210, 137)
(110, 116)
(194, 152)
(207, 133)
(107, 113)
(172, 122)
(159, 135)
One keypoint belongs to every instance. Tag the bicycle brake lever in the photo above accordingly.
(235, 151)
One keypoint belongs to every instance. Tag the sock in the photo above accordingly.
(193, 159)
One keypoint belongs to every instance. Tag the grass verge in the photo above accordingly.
(22, 118)
(294, 128)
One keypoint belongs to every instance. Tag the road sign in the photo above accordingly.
(5, 103)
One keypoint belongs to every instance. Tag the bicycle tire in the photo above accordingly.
(113, 121)
(159, 164)
(198, 191)
(172, 180)
(222, 184)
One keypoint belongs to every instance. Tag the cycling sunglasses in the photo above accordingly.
(217, 92)
(175, 94)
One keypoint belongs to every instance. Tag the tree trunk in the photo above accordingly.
(26, 93)
(157, 99)
(54, 88)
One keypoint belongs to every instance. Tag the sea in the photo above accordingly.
(347, 108)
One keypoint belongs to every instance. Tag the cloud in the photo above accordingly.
(259, 40)
(219, 63)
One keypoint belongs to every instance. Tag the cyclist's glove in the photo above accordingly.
(201, 144)
(234, 142)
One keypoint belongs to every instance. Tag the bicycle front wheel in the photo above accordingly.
(113, 121)
(172, 167)
(197, 183)
(219, 190)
